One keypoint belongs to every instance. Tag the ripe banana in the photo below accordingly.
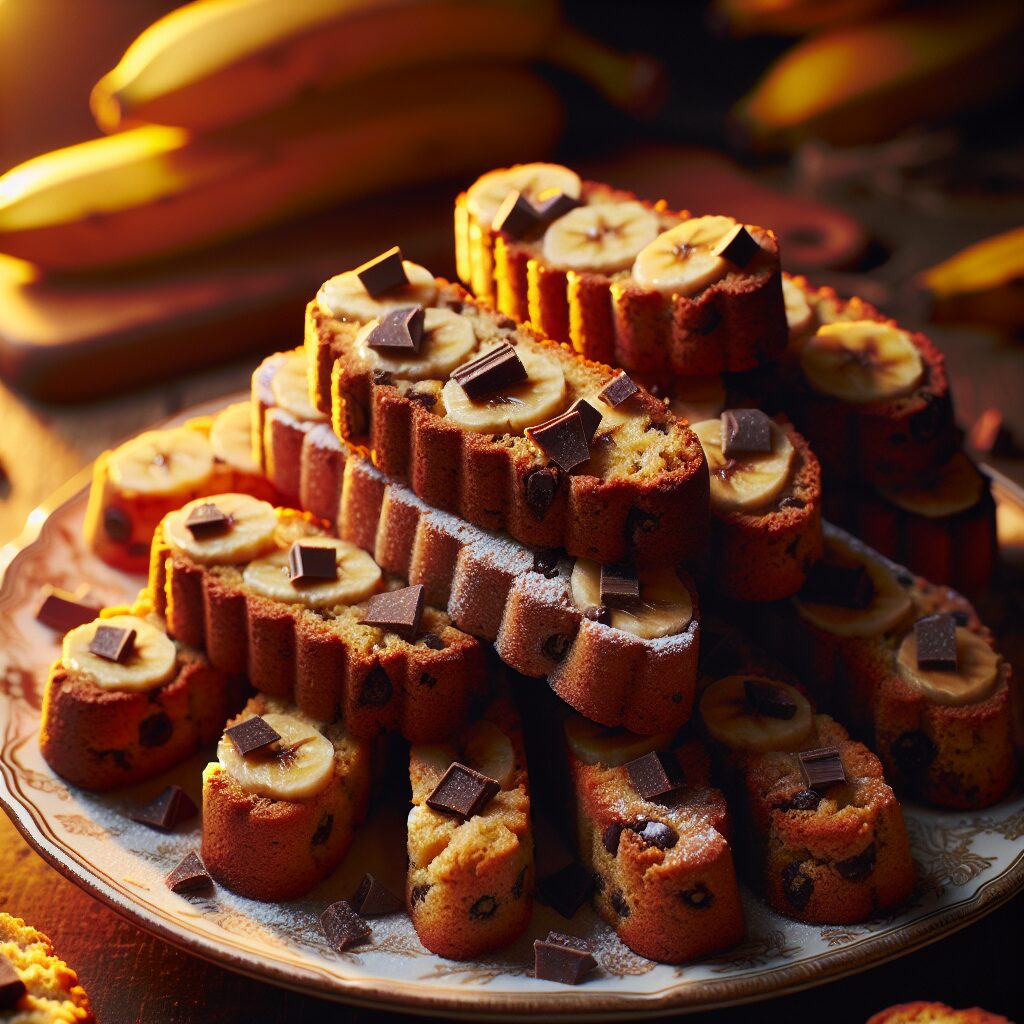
(731, 720)
(599, 744)
(358, 577)
(697, 398)
(448, 341)
(865, 83)
(752, 480)
(162, 463)
(152, 190)
(680, 261)
(956, 487)
(290, 388)
(152, 662)
(532, 181)
(488, 750)
(665, 607)
(231, 437)
(794, 17)
(347, 299)
(602, 238)
(975, 677)
(862, 361)
(251, 531)
(799, 314)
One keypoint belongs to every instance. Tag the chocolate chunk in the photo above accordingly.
(323, 831)
(189, 876)
(936, 642)
(858, 867)
(598, 613)
(433, 641)
(516, 216)
(384, 273)
(399, 332)
(843, 586)
(206, 520)
(377, 689)
(611, 835)
(399, 611)
(745, 430)
(252, 734)
(381, 377)
(484, 908)
(563, 440)
(373, 899)
(655, 774)
(554, 206)
(804, 800)
(541, 485)
(499, 368)
(418, 893)
(589, 417)
(797, 887)
(112, 643)
(463, 792)
(768, 700)
(617, 390)
(168, 810)
(792, 501)
(700, 897)
(562, 958)
(117, 524)
(567, 889)
(619, 904)
(556, 646)
(63, 611)
(822, 768)
(739, 246)
(311, 563)
(343, 926)
(657, 833)
(545, 562)
(519, 885)
(12, 988)
(620, 587)
(913, 752)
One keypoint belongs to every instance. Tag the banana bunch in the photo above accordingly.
(866, 82)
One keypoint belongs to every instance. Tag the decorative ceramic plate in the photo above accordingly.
(968, 863)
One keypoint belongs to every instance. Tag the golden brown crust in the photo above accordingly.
(935, 1013)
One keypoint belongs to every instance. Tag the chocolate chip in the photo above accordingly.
(381, 377)
(541, 486)
(62, 611)
(655, 774)
(563, 440)
(936, 642)
(657, 833)
(961, 618)
(843, 586)
(155, 730)
(745, 430)
(427, 680)
(640, 522)
(373, 898)
(498, 368)
(117, 524)
(700, 897)
(913, 752)
(562, 958)
(598, 613)
(804, 800)
(518, 887)
(484, 908)
(311, 563)
(567, 889)
(167, 811)
(206, 520)
(768, 700)
(425, 398)
(516, 216)
(589, 417)
(463, 792)
(545, 562)
(599, 883)
(399, 611)
(433, 641)
(555, 206)
(12, 988)
(189, 876)
(617, 390)
(506, 323)
(418, 894)
(796, 886)
(384, 273)
(822, 768)
(251, 734)
(739, 246)
(858, 867)
(792, 501)
(555, 647)
(620, 587)
(619, 904)
(376, 690)
(343, 927)
(611, 835)
(399, 332)
(112, 643)
(323, 830)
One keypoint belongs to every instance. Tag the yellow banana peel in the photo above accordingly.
(992, 262)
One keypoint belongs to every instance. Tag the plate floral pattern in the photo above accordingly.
(968, 863)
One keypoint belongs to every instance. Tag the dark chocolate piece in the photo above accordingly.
(384, 273)
(541, 487)
(768, 700)
(63, 611)
(343, 926)
(311, 563)
(655, 774)
(589, 417)
(567, 889)
(189, 876)
(545, 562)
(252, 734)
(463, 792)
(843, 586)
(516, 216)
(657, 833)
(700, 897)
(112, 643)
(499, 368)
(117, 524)
(399, 611)
(598, 613)
(797, 886)
(399, 332)
(167, 811)
(936, 642)
(617, 390)
(745, 430)
(563, 440)
(739, 246)
(12, 988)
(620, 587)
(611, 835)
(207, 520)
(822, 768)
(562, 958)
(554, 206)
(373, 899)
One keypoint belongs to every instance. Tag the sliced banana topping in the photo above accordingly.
(664, 609)
(290, 388)
(956, 487)
(358, 576)
(231, 437)
(750, 480)
(162, 462)
(535, 181)
(250, 532)
(799, 315)
(680, 261)
(611, 747)
(488, 750)
(346, 298)
(295, 768)
(448, 341)
(974, 678)
(732, 720)
(862, 361)
(601, 238)
(153, 659)
(513, 409)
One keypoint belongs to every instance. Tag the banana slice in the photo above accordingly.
(698, 398)
(512, 410)
(535, 181)
(680, 261)
(162, 462)
(975, 678)
(358, 577)
(346, 298)
(600, 744)
(290, 388)
(250, 534)
(799, 315)
(956, 487)
(448, 340)
(602, 238)
(862, 361)
(730, 719)
(152, 662)
(231, 437)
(665, 607)
(294, 768)
(489, 751)
(753, 479)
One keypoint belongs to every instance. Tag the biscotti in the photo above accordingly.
(627, 282)
(136, 484)
(636, 668)
(470, 843)
(123, 715)
(280, 808)
(482, 419)
(299, 635)
(664, 877)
